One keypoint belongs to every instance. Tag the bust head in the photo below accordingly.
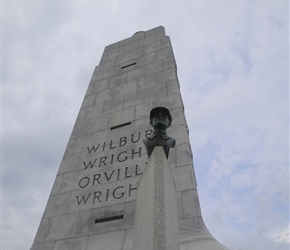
(160, 118)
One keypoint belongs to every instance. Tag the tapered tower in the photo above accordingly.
(92, 202)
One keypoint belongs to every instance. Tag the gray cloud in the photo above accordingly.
(233, 68)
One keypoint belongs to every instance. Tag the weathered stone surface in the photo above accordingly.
(105, 156)
(57, 205)
(71, 244)
(111, 240)
(156, 217)
(61, 227)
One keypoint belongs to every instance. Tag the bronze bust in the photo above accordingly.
(160, 120)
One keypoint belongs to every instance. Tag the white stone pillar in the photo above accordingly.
(156, 217)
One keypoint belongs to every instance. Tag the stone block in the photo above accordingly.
(125, 88)
(169, 63)
(79, 243)
(161, 35)
(104, 56)
(104, 95)
(191, 204)
(131, 46)
(122, 116)
(179, 199)
(164, 53)
(40, 232)
(97, 137)
(57, 205)
(172, 87)
(152, 47)
(155, 92)
(129, 55)
(110, 240)
(71, 181)
(69, 147)
(118, 79)
(69, 163)
(178, 117)
(154, 67)
(56, 185)
(107, 63)
(133, 98)
(172, 157)
(97, 75)
(112, 46)
(193, 229)
(61, 227)
(89, 100)
(43, 246)
(171, 101)
(166, 75)
(148, 40)
(142, 125)
(113, 105)
(183, 178)
(88, 113)
(135, 74)
(117, 218)
(180, 133)
(80, 129)
(79, 144)
(165, 43)
(110, 71)
(97, 86)
(148, 81)
(184, 155)
(143, 110)
(98, 123)
(114, 52)
(147, 59)
(128, 65)
(128, 243)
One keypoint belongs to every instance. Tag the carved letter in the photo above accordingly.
(126, 170)
(122, 194)
(111, 147)
(126, 157)
(96, 179)
(132, 138)
(138, 152)
(87, 182)
(102, 160)
(108, 178)
(93, 148)
(123, 141)
(97, 195)
(130, 189)
(83, 199)
(136, 170)
(90, 164)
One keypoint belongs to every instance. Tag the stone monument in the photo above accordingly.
(92, 205)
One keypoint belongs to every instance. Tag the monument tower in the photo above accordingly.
(92, 204)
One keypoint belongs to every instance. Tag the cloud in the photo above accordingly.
(232, 60)
(282, 235)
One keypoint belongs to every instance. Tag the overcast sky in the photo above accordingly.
(233, 65)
